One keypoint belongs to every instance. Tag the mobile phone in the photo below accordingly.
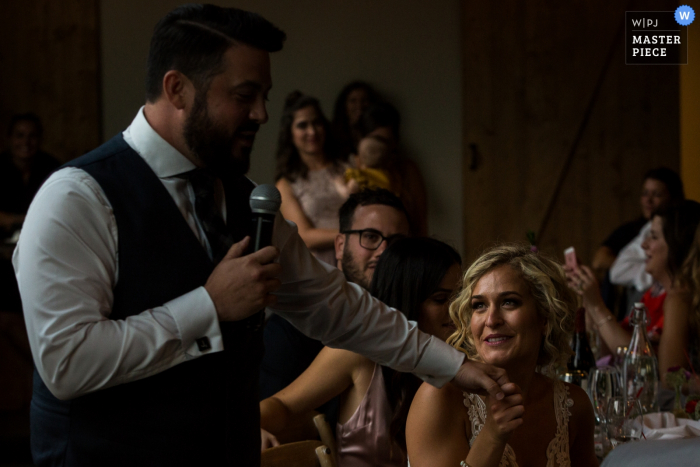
(570, 258)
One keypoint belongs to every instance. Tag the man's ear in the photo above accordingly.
(339, 248)
(178, 89)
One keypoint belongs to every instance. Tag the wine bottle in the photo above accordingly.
(640, 368)
(582, 360)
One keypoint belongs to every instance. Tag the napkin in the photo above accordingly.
(665, 425)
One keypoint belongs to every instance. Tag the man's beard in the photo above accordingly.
(213, 144)
(352, 271)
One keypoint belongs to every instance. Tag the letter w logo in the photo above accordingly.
(684, 14)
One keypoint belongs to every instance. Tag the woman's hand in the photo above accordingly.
(504, 416)
(583, 281)
(267, 440)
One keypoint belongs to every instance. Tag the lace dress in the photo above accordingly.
(558, 449)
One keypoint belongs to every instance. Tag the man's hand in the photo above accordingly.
(481, 378)
(240, 286)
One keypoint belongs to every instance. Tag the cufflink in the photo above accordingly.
(203, 344)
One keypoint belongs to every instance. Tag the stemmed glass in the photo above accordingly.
(624, 420)
(605, 383)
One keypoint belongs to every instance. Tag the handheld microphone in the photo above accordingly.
(265, 201)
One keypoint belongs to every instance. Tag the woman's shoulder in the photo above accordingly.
(345, 358)
(435, 410)
(438, 400)
(569, 396)
(581, 415)
(678, 296)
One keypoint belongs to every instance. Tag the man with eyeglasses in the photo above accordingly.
(369, 221)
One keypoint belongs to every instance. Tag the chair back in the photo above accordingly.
(301, 454)
(325, 433)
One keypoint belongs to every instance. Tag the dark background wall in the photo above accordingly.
(491, 126)
(49, 65)
(530, 81)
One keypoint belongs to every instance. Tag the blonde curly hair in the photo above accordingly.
(555, 302)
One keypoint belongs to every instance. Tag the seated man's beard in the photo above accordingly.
(214, 145)
(352, 272)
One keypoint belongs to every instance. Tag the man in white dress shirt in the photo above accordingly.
(145, 332)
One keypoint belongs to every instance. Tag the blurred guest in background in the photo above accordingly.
(622, 251)
(308, 174)
(686, 316)
(349, 105)
(23, 168)
(383, 120)
(672, 321)
(419, 276)
(372, 165)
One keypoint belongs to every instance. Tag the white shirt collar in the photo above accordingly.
(163, 158)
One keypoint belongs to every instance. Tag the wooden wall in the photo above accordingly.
(690, 113)
(49, 65)
(530, 71)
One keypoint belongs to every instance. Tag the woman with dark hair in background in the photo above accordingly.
(622, 252)
(349, 105)
(383, 121)
(308, 174)
(419, 276)
(671, 321)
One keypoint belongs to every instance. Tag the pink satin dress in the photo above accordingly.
(364, 440)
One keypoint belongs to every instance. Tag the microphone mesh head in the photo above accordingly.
(265, 199)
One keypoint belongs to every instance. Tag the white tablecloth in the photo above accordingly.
(669, 441)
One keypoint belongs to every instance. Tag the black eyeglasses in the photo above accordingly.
(371, 239)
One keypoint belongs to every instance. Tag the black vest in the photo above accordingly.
(201, 412)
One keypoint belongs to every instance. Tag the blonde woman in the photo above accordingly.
(515, 311)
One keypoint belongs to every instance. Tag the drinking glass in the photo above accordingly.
(624, 420)
(604, 384)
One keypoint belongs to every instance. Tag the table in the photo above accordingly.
(656, 453)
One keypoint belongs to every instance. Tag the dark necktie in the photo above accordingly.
(209, 215)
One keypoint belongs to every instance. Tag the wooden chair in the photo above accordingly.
(325, 433)
(301, 428)
(301, 454)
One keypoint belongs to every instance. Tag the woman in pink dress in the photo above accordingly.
(308, 174)
(419, 276)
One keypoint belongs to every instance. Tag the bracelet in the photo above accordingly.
(603, 321)
(463, 464)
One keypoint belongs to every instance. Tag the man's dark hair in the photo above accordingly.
(367, 198)
(26, 117)
(378, 116)
(192, 39)
(671, 179)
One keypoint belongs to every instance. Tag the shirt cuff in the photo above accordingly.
(439, 363)
(197, 322)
